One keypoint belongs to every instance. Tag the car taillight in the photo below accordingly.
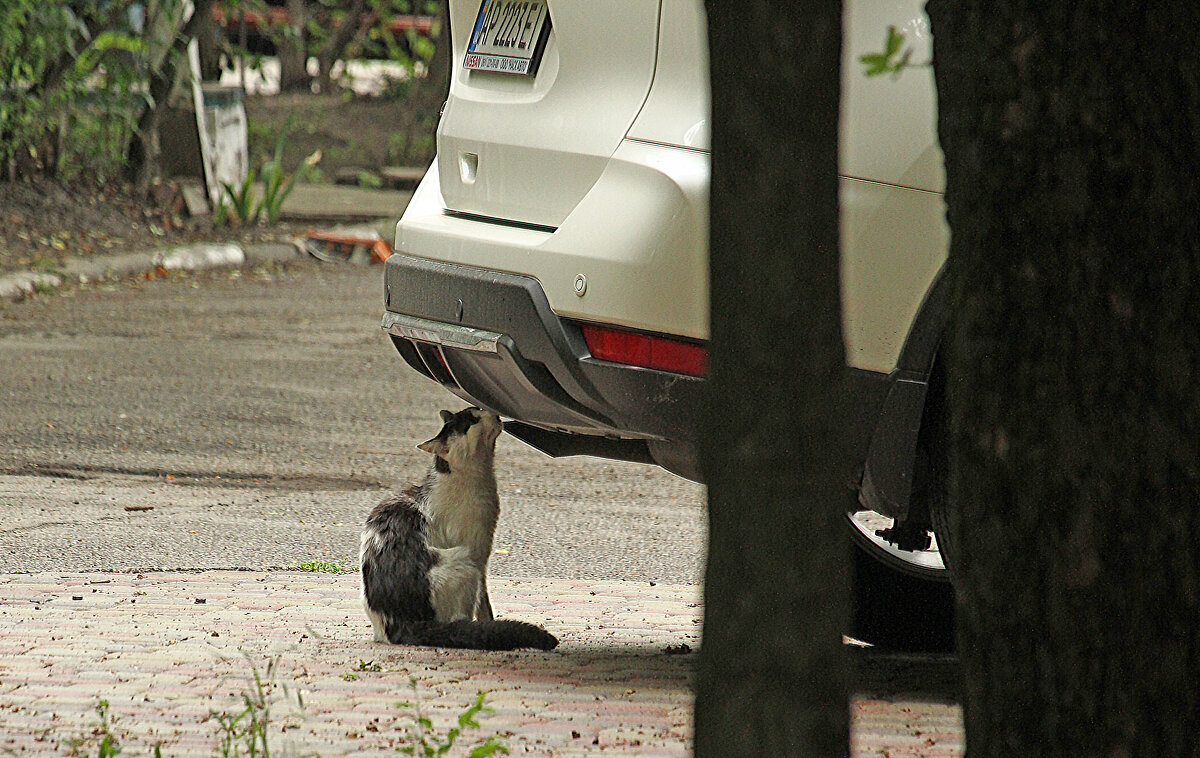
(647, 351)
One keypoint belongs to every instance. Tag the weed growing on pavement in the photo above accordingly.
(245, 732)
(350, 676)
(109, 746)
(322, 567)
(424, 741)
(43, 287)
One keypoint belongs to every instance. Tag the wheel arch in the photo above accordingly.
(887, 481)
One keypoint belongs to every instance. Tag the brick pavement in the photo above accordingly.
(166, 649)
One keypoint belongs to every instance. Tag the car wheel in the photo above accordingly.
(903, 598)
(935, 439)
(898, 611)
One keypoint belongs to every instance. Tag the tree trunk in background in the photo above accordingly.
(292, 49)
(771, 677)
(168, 44)
(1070, 132)
(440, 68)
(210, 53)
(335, 46)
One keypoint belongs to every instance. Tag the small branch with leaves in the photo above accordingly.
(894, 59)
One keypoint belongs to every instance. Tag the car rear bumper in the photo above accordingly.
(491, 338)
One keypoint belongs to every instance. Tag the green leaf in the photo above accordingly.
(489, 748)
(894, 58)
(876, 64)
(894, 41)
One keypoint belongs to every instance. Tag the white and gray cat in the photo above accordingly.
(424, 552)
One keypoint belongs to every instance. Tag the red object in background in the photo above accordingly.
(342, 246)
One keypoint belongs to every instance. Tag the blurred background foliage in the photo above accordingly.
(82, 81)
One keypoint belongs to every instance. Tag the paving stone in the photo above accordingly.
(142, 642)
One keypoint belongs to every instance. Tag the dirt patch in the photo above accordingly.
(44, 221)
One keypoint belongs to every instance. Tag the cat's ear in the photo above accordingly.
(436, 446)
(446, 416)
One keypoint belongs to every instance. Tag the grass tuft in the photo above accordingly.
(322, 567)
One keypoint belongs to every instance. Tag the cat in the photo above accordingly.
(424, 552)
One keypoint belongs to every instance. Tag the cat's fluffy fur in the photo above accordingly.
(424, 552)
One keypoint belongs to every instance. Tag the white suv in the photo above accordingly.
(552, 266)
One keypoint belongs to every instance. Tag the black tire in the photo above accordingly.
(903, 610)
(935, 438)
(897, 611)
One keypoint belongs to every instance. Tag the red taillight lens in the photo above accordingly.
(662, 353)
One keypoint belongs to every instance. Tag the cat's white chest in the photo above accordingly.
(463, 514)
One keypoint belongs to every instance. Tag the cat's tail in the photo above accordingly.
(500, 634)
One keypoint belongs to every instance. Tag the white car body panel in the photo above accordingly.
(660, 196)
(606, 149)
(526, 149)
(677, 111)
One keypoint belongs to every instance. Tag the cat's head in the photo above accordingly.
(467, 437)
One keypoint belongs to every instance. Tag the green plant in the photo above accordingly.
(412, 148)
(72, 85)
(894, 58)
(43, 286)
(109, 746)
(322, 567)
(276, 184)
(423, 741)
(239, 201)
(245, 732)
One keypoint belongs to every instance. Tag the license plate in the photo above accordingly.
(509, 36)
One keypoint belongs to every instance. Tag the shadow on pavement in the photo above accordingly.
(888, 675)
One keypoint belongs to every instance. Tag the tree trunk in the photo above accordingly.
(771, 677)
(210, 52)
(441, 67)
(345, 32)
(143, 154)
(1072, 188)
(292, 48)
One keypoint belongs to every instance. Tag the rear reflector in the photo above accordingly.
(647, 351)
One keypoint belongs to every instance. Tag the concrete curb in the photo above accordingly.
(185, 258)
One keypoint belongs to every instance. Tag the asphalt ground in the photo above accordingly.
(251, 419)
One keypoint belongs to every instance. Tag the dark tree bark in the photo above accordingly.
(348, 29)
(210, 50)
(1071, 133)
(771, 678)
(292, 48)
(441, 67)
(143, 154)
